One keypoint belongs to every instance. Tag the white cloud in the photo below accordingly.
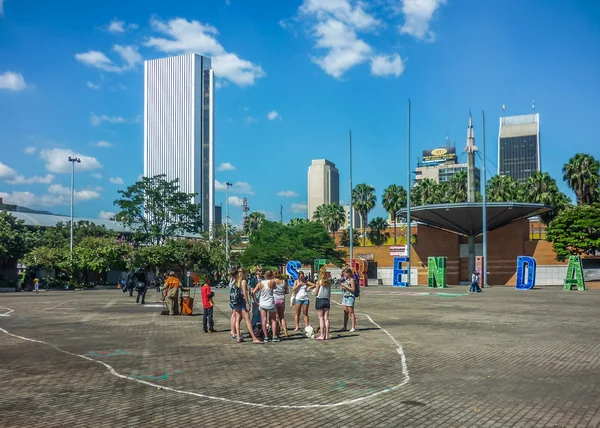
(250, 119)
(97, 120)
(225, 166)
(183, 36)
(12, 81)
(1, 7)
(57, 161)
(237, 187)
(417, 16)
(287, 194)
(101, 144)
(386, 65)
(57, 195)
(235, 201)
(274, 115)
(29, 150)
(116, 180)
(129, 56)
(97, 176)
(336, 27)
(118, 26)
(20, 179)
(6, 172)
(106, 215)
(283, 24)
(299, 208)
(92, 85)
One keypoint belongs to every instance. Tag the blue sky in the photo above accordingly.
(293, 77)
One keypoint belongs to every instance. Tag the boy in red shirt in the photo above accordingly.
(207, 319)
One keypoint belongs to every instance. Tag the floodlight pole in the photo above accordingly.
(408, 231)
(228, 185)
(484, 195)
(72, 160)
(351, 230)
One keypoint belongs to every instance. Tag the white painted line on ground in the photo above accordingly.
(112, 371)
(7, 314)
(109, 304)
(58, 304)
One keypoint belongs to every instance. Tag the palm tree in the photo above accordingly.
(378, 234)
(319, 213)
(456, 188)
(427, 192)
(345, 238)
(540, 188)
(582, 173)
(253, 222)
(503, 188)
(333, 216)
(364, 200)
(297, 221)
(394, 199)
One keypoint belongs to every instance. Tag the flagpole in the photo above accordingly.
(484, 195)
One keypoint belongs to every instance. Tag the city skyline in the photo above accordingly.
(282, 90)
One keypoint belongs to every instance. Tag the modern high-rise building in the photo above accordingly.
(323, 185)
(179, 126)
(519, 146)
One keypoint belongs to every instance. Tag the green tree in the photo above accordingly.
(15, 238)
(582, 173)
(51, 259)
(345, 238)
(297, 221)
(275, 244)
(364, 200)
(456, 189)
(378, 233)
(425, 192)
(59, 236)
(155, 209)
(253, 222)
(96, 254)
(503, 188)
(540, 188)
(575, 230)
(394, 199)
(331, 215)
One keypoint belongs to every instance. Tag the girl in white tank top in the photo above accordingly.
(266, 303)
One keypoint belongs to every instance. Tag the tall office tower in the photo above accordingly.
(519, 146)
(323, 185)
(179, 126)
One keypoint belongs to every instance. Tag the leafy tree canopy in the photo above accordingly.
(15, 238)
(575, 231)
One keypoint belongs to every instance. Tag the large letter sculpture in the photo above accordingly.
(317, 266)
(399, 270)
(525, 278)
(361, 266)
(575, 274)
(292, 268)
(436, 272)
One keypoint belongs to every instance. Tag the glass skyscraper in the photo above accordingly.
(519, 146)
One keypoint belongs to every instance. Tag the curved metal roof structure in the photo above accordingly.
(465, 218)
(46, 220)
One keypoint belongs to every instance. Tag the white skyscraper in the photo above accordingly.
(179, 126)
(323, 185)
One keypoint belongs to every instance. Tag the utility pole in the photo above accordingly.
(484, 195)
(72, 160)
(408, 231)
(228, 185)
(281, 213)
(351, 230)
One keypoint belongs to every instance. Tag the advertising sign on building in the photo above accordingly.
(398, 250)
(441, 154)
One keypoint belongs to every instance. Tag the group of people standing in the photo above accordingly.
(261, 300)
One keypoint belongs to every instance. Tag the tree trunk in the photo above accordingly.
(394, 230)
(362, 224)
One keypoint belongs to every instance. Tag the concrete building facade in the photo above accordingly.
(323, 185)
(519, 146)
(179, 126)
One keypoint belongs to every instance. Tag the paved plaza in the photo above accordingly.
(421, 357)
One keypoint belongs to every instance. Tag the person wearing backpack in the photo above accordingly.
(239, 301)
(351, 290)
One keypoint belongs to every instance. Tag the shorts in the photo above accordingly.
(240, 306)
(271, 309)
(302, 302)
(279, 303)
(348, 301)
(322, 304)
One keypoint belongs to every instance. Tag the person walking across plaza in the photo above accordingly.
(172, 286)
(322, 303)
(348, 299)
(475, 283)
(141, 285)
(208, 324)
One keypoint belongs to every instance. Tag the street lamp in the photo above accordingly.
(72, 160)
(228, 185)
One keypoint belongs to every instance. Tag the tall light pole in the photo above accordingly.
(484, 194)
(408, 230)
(351, 208)
(72, 160)
(228, 184)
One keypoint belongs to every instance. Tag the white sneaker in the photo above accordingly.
(352, 330)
